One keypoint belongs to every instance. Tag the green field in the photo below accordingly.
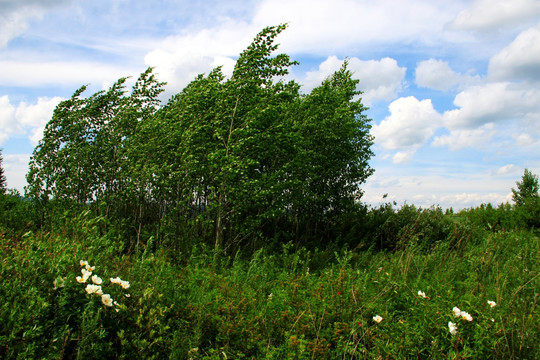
(288, 303)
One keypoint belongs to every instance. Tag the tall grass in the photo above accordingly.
(290, 304)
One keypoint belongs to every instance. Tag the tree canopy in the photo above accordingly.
(224, 160)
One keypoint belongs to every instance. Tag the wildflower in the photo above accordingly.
(492, 303)
(422, 294)
(270, 297)
(377, 319)
(80, 279)
(124, 284)
(90, 268)
(492, 320)
(96, 280)
(127, 295)
(107, 300)
(86, 274)
(93, 289)
(116, 280)
(457, 312)
(83, 263)
(452, 327)
(466, 316)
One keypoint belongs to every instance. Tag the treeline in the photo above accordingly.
(234, 163)
(228, 161)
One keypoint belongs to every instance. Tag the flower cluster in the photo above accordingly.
(95, 286)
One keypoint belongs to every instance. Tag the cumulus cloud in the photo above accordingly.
(461, 139)
(488, 15)
(29, 119)
(16, 14)
(519, 60)
(410, 125)
(490, 103)
(437, 74)
(379, 79)
(180, 58)
(320, 26)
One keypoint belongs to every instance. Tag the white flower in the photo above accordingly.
(81, 279)
(466, 316)
(452, 327)
(127, 295)
(83, 263)
(86, 274)
(93, 289)
(90, 268)
(270, 297)
(124, 284)
(96, 280)
(492, 303)
(107, 300)
(457, 312)
(377, 319)
(422, 294)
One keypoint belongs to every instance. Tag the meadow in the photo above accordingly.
(431, 285)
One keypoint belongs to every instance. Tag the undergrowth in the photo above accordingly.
(291, 304)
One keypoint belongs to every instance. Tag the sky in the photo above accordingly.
(452, 86)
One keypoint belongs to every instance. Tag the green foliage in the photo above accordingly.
(292, 303)
(232, 162)
(527, 188)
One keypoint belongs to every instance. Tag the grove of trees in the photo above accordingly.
(229, 161)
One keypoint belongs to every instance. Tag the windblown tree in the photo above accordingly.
(236, 156)
(82, 158)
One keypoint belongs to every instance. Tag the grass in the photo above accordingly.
(294, 304)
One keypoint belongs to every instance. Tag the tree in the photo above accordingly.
(3, 182)
(527, 188)
(231, 158)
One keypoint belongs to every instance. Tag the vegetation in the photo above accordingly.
(227, 224)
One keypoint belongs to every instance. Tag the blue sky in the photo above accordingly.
(452, 86)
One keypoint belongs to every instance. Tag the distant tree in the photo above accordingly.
(3, 183)
(527, 188)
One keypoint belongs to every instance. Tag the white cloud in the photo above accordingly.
(437, 74)
(7, 116)
(15, 168)
(524, 139)
(16, 14)
(379, 79)
(37, 74)
(179, 59)
(410, 125)
(403, 157)
(26, 118)
(520, 59)
(458, 190)
(461, 139)
(508, 169)
(320, 26)
(492, 102)
(488, 15)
